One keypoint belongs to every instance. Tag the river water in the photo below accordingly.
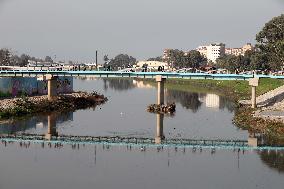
(198, 116)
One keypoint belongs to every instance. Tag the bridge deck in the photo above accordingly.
(13, 73)
(21, 73)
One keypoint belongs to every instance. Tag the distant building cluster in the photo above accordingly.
(239, 51)
(213, 51)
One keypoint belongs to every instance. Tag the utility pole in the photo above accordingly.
(96, 60)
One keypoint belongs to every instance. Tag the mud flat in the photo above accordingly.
(18, 107)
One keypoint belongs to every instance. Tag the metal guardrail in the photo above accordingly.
(134, 74)
(131, 74)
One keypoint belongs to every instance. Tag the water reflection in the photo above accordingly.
(51, 127)
(118, 84)
(259, 139)
(272, 158)
(33, 123)
(159, 129)
(188, 100)
(193, 101)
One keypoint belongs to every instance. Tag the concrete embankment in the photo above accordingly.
(268, 99)
(17, 107)
(270, 105)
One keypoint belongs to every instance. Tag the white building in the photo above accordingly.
(152, 65)
(212, 51)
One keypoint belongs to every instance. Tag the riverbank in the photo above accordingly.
(19, 107)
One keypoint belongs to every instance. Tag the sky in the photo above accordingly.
(74, 30)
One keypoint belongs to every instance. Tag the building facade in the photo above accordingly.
(153, 65)
(16, 86)
(212, 51)
(239, 51)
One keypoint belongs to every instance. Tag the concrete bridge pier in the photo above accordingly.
(51, 86)
(159, 129)
(253, 140)
(51, 130)
(253, 83)
(161, 92)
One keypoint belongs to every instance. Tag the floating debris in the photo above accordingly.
(162, 108)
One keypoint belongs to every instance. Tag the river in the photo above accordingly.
(197, 116)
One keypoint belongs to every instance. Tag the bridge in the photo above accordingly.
(34, 73)
(51, 77)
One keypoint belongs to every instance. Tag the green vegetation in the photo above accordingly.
(120, 61)
(235, 89)
(3, 95)
(178, 59)
(271, 41)
(273, 130)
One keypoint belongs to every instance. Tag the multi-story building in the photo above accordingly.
(239, 51)
(212, 51)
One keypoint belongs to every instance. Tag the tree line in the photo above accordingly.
(120, 61)
(9, 59)
(179, 59)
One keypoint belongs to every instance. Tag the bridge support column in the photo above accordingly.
(253, 83)
(161, 92)
(51, 130)
(159, 129)
(51, 86)
(253, 97)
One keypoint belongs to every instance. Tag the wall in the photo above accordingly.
(30, 85)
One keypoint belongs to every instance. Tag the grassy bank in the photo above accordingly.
(235, 89)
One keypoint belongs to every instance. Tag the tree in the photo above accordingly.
(159, 58)
(271, 41)
(24, 60)
(122, 61)
(175, 58)
(194, 59)
(259, 61)
(106, 59)
(48, 59)
(5, 57)
(229, 62)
